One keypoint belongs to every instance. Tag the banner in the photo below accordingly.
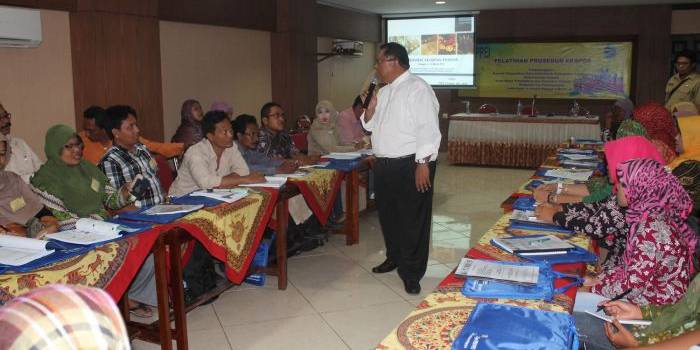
(590, 70)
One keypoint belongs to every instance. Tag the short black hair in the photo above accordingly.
(114, 116)
(211, 119)
(96, 113)
(689, 54)
(397, 51)
(241, 123)
(265, 110)
(357, 102)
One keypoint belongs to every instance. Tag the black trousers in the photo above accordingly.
(405, 214)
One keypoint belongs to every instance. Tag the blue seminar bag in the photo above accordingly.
(544, 289)
(506, 327)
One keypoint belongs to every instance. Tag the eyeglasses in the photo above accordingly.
(76, 145)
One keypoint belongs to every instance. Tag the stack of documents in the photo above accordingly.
(576, 175)
(168, 209)
(343, 155)
(271, 182)
(17, 251)
(89, 231)
(539, 245)
(528, 274)
(224, 195)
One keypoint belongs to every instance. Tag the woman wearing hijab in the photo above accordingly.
(658, 122)
(689, 139)
(62, 317)
(21, 211)
(629, 127)
(603, 220)
(620, 111)
(323, 136)
(222, 107)
(190, 130)
(74, 188)
(657, 262)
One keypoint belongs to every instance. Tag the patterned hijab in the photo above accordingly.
(626, 148)
(658, 122)
(629, 127)
(653, 191)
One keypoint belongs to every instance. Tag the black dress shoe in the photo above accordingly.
(386, 266)
(411, 286)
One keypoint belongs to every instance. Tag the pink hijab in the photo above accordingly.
(626, 148)
(653, 191)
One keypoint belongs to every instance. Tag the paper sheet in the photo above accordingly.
(485, 269)
(19, 257)
(228, 197)
(22, 243)
(98, 226)
(588, 303)
(577, 175)
(165, 209)
(271, 182)
(82, 237)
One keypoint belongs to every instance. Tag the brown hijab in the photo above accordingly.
(190, 130)
(18, 203)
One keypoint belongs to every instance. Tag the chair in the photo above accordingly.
(165, 173)
(527, 110)
(488, 109)
(300, 141)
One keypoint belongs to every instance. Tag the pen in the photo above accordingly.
(618, 297)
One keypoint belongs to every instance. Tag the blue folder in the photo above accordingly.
(345, 165)
(137, 215)
(543, 290)
(526, 203)
(498, 326)
(196, 200)
(531, 225)
(575, 255)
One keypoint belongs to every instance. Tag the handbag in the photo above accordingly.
(544, 289)
(499, 326)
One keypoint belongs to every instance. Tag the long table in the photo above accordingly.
(439, 318)
(510, 140)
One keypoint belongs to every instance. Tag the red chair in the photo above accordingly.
(488, 109)
(300, 141)
(165, 173)
(527, 110)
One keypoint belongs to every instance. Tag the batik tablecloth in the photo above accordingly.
(111, 267)
(320, 189)
(232, 232)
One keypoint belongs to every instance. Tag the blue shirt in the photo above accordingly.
(259, 162)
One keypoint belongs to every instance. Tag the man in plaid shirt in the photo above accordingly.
(128, 158)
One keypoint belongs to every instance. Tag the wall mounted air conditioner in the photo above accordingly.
(19, 27)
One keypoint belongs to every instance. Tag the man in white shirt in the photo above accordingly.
(214, 162)
(23, 161)
(403, 119)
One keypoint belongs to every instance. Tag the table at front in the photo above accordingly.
(509, 140)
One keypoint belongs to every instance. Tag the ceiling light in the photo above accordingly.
(440, 2)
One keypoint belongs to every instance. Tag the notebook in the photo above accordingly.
(527, 274)
(89, 231)
(17, 251)
(270, 182)
(537, 245)
(588, 303)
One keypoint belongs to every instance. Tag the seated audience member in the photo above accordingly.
(127, 158)
(657, 261)
(602, 220)
(190, 130)
(620, 111)
(222, 107)
(660, 127)
(73, 188)
(215, 161)
(349, 125)
(61, 316)
(670, 324)
(96, 142)
(246, 131)
(23, 161)
(323, 136)
(689, 140)
(275, 142)
(21, 210)
(630, 127)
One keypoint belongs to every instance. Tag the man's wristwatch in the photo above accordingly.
(423, 160)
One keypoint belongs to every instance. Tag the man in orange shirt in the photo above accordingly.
(97, 143)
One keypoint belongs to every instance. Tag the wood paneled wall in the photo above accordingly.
(116, 59)
(332, 22)
(250, 14)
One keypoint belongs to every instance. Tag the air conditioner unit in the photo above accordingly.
(19, 27)
(348, 47)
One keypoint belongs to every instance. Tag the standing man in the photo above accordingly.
(403, 119)
(684, 86)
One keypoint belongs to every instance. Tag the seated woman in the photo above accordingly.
(73, 188)
(323, 136)
(604, 220)
(689, 140)
(213, 162)
(21, 211)
(660, 126)
(657, 261)
(620, 111)
(275, 142)
(190, 130)
(669, 323)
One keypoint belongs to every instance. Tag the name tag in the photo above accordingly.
(95, 185)
(152, 163)
(17, 204)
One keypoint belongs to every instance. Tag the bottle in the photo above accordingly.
(519, 109)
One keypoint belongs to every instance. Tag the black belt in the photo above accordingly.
(402, 158)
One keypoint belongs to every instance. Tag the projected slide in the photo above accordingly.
(440, 50)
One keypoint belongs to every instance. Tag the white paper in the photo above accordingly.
(271, 182)
(524, 215)
(533, 243)
(82, 237)
(98, 226)
(317, 165)
(577, 156)
(485, 269)
(343, 155)
(22, 243)
(588, 303)
(577, 175)
(228, 197)
(164, 209)
(19, 257)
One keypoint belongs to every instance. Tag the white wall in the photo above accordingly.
(341, 78)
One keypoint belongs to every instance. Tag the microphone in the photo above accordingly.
(370, 92)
